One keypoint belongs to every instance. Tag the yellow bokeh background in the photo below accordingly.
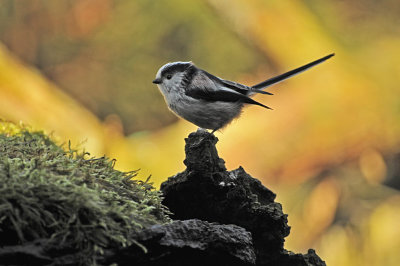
(327, 149)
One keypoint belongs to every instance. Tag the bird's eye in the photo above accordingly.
(169, 76)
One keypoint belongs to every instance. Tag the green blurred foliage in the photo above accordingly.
(330, 149)
(356, 24)
(106, 53)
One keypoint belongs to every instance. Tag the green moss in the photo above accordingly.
(70, 200)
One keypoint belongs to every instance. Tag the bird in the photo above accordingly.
(208, 101)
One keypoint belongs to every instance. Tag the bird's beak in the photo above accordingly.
(157, 81)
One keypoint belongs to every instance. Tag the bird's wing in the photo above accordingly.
(243, 89)
(202, 87)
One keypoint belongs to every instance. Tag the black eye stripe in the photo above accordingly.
(172, 69)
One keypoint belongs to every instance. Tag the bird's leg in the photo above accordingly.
(203, 129)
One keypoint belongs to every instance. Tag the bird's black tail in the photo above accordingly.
(289, 74)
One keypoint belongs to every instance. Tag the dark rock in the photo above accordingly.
(310, 259)
(201, 154)
(229, 218)
(40, 251)
(31, 253)
(190, 242)
(206, 191)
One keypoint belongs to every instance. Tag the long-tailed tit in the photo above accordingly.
(209, 101)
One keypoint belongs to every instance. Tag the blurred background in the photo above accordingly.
(82, 71)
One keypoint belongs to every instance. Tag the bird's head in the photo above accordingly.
(172, 76)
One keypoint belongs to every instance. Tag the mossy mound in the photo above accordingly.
(77, 203)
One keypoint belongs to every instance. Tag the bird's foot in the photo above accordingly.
(206, 130)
